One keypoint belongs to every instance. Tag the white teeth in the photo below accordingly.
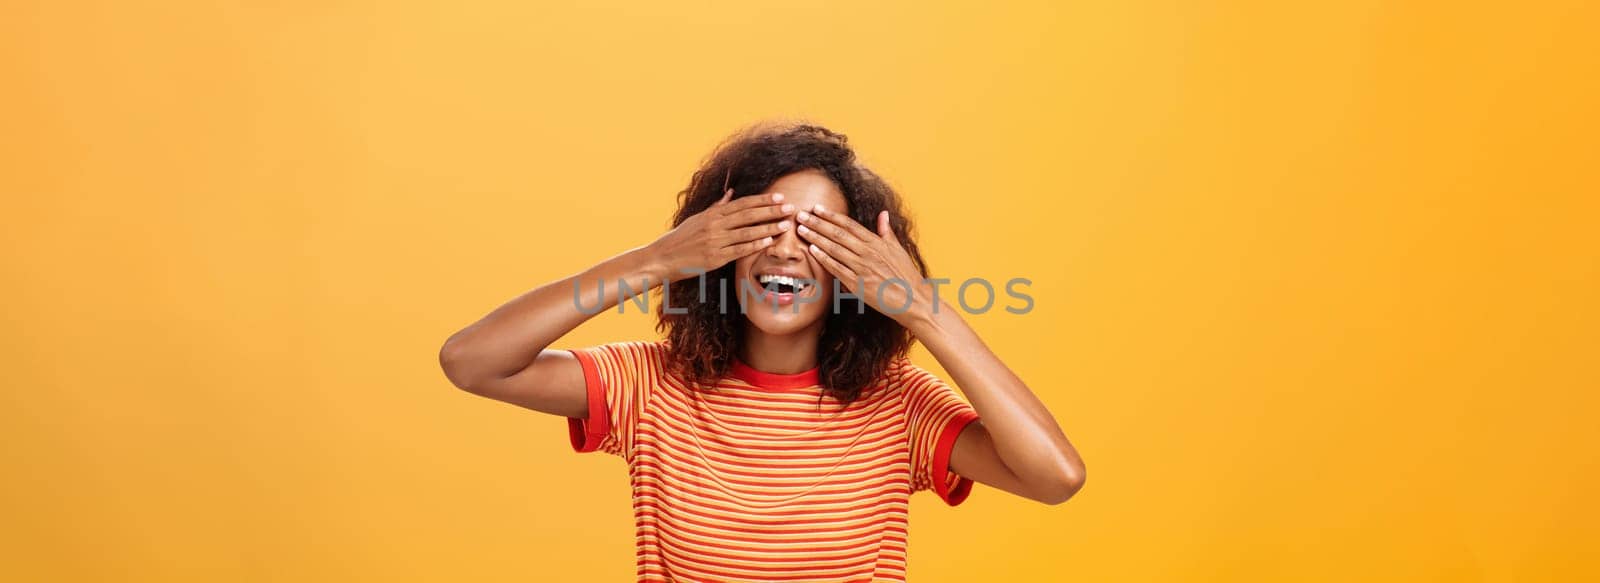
(798, 284)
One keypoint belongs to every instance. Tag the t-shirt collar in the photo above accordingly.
(769, 380)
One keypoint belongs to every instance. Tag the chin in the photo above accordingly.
(785, 321)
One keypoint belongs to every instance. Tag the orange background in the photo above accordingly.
(1315, 286)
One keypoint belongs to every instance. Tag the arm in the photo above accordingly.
(504, 355)
(1016, 446)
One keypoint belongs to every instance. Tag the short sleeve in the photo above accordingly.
(618, 378)
(935, 416)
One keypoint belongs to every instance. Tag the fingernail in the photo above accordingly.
(777, 197)
(788, 208)
(766, 241)
(783, 226)
(803, 216)
(803, 230)
(814, 249)
(819, 210)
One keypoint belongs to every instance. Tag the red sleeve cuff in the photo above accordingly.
(952, 495)
(588, 433)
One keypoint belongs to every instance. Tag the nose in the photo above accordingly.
(787, 246)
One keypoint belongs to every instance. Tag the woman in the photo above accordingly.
(775, 435)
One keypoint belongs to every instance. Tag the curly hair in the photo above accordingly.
(858, 343)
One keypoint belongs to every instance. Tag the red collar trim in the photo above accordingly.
(768, 380)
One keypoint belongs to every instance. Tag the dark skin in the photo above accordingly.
(1016, 446)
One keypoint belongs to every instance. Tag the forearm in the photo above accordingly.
(1026, 436)
(508, 339)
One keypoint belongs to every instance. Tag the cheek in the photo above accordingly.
(824, 279)
(824, 284)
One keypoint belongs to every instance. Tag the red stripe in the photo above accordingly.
(754, 408)
(682, 417)
(887, 436)
(807, 549)
(820, 485)
(833, 509)
(892, 531)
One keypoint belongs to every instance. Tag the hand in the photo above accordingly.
(871, 265)
(724, 232)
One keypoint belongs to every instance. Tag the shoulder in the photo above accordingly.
(922, 392)
(656, 349)
(902, 373)
(634, 353)
(902, 377)
(650, 347)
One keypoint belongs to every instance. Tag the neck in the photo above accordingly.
(786, 354)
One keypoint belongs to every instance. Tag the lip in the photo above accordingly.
(782, 299)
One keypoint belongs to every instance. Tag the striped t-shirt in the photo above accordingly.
(758, 481)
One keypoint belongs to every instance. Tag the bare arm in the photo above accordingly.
(1016, 446)
(504, 356)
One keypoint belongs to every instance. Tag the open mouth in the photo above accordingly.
(783, 284)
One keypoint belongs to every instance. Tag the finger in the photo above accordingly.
(733, 252)
(833, 248)
(759, 214)
(758, 231)
(883, 228)
(726, 196)
(752, 201)
(843, 222)
(839, 270)
(834, 232)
